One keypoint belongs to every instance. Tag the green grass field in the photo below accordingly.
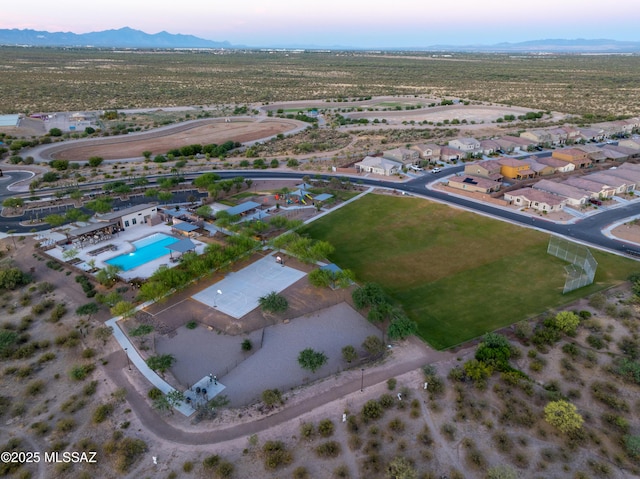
(457, 274)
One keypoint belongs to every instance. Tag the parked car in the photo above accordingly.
(595, 201)
(436, 170)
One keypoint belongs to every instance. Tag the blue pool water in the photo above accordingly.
(147, 249)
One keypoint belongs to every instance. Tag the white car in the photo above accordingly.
(436, 170)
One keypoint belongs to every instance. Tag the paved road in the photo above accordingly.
(588, 231)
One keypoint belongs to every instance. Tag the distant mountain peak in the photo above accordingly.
(125, 37)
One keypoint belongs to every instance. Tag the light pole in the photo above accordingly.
(214, 298)
(362, 380)
(128, 361)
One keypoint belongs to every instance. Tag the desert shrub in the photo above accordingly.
(276, 455)
(102, 412)
(300, 472)
(65, 424)
(391, 384)
(448, 431)
(396, 425)
(154, 394)
(372, 410)
(326, 427)
(80, 371)
(272, 397)
(40, 428)
(341, 472)
(225, 469)
(90, 389)
(246, 345)
(386, 401)
(211, 462)
(354, 442)
(187, 467)
(35, 387)
(307, 431)
(125, 451)
(329, 449)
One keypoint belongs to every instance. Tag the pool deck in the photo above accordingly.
(122, 242)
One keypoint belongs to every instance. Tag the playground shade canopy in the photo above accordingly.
(243, 208)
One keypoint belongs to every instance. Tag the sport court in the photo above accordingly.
(238, 293)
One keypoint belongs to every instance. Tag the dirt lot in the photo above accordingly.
(213, 131)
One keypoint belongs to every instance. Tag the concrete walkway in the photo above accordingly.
(134, 359)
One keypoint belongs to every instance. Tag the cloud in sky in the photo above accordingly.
(359, 23)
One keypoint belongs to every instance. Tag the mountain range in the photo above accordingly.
(129, 38)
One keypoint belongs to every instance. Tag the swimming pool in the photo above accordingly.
(146, 249)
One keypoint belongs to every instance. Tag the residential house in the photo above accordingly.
(634, 144)
(573, 133)
(632, 175)
(489, 169)
(428, 151)
(615, 155)
(514, 144)
(448, 154)
(468, 145)
(591, 134)
(619, 184)
(596, 190)
(475, 184)
(559, 165)
(630, 152)
(489, 147)
(558, 136)
(536, 199)
(578, 157)
(403, 155)
(540, 137)
(574, 196)
(378, 166)
(541, 169)
(515, 169)
(594, 153)
(629, 166)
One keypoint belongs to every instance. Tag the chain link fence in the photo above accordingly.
(582, 269)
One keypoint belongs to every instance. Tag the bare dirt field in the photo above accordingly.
(629, 232)
(477, 114)
(214, 131)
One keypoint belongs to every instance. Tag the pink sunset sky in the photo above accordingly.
(355, 23)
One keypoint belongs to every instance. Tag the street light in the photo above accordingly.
(128, 362)
(362, 381)
(214, 298)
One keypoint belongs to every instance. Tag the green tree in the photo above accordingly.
(123, 308)
(11, 278)
(99, 206)
(161, 363)
(401, 327)
(95, 161)
(477, 370)
(349, 353)
(88, 310)
(563, 415)
(165, 195)
(204, 211)
(55, 220)
(55, 132)
(273, 303)
(567, 322)
(271, 397)
(373, 345)
(108, 275)
(311, 360)
(369, 295)
(13, 202)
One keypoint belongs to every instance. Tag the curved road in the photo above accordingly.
(588, 230)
